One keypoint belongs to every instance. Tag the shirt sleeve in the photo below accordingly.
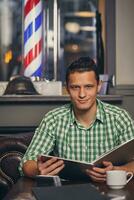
(125, 126)
(42, 142)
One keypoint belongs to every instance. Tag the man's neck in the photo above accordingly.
(86, 118)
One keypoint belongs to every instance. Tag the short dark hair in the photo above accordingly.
(83, 64)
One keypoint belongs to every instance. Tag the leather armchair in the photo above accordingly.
(12, 149)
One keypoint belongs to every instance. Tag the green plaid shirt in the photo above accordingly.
(60, 132)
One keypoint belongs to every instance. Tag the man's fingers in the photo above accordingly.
(96, 174)
(99, 174)
(99, 170)
(97, 179)
(52, 161)
(50, 166)
(56, 171)
(108, 165)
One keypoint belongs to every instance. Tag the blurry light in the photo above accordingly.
(75, 47)
(72, 27)
(84, 14)
(88, 28)
(8, 56)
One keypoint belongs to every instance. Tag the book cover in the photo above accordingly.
(121, 154)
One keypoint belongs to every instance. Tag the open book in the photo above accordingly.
(121, 154)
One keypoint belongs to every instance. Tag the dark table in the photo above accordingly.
(22, 190)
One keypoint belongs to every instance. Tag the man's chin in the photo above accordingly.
(82, 108)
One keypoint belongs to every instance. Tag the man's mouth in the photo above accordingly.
(82, 101)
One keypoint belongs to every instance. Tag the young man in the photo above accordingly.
(82, 130)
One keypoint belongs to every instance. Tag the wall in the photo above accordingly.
(25, 112)
(120, 49)
(124, 42)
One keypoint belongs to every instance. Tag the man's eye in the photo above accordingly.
(75, 87)
(88, 86)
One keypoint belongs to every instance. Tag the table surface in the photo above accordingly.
(22, 190)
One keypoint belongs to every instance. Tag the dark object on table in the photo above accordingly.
(20, 85)
(68, 192)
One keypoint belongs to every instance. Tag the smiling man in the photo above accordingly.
(81, 130)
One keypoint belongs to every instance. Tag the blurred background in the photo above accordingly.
(10, 38)
(71, 28)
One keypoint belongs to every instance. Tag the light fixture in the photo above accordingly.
(84, 14)
(87, 28)
(74, 27)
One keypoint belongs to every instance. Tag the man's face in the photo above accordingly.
(83, 88)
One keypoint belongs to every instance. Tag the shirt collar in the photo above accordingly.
(72, 116)
(99, 114)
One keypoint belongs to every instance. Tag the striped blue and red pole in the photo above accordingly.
(33, 38)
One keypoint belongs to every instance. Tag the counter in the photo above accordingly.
(24, 113)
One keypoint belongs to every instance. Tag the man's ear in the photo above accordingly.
(99, 86)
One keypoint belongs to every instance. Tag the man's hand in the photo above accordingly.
(99, 174)
(50, 167)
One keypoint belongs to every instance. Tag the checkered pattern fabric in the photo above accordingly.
(61, 133)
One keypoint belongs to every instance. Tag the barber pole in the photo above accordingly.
(33, 38)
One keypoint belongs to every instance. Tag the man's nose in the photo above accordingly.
(82, 93)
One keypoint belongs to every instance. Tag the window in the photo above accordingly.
(76, 34)
(69, 31)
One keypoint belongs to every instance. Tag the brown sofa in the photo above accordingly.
(12, 149)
